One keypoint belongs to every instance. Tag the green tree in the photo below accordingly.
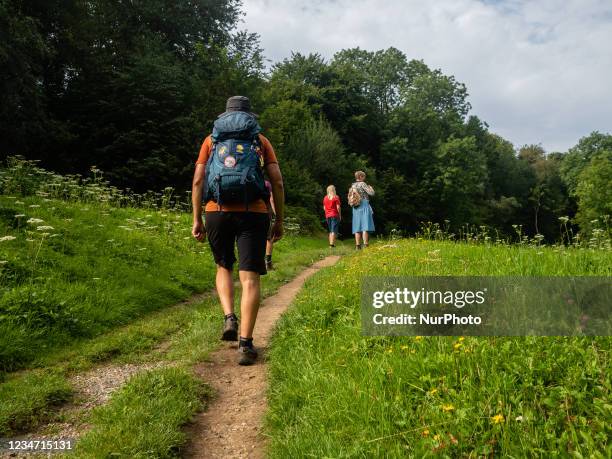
(548, 197)
(579, 157)
(22, 54)
(458, 180)
(594, 192)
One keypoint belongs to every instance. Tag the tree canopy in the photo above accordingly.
(134, 86)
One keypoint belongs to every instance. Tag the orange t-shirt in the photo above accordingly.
(269, 157)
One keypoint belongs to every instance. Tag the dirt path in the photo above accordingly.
(231, 426)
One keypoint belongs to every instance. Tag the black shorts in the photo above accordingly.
(247, 230)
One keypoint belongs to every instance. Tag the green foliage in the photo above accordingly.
(133, 88)
(300, 221)
(594, 193)
(579, 157)
(458, 180)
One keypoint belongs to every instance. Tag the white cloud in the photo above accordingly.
(537, 71)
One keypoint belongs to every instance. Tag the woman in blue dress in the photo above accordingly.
(363, 222)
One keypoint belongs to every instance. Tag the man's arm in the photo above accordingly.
(278, 194)
(198, 231)
(272, 203)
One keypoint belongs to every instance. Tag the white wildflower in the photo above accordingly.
(19, 215)
(30, 240)
(34, 221)
(7, 238)
(44, 228)
(33, 206)
(19, 202)
(3, 262)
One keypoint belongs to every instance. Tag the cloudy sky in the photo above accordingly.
(537, 71)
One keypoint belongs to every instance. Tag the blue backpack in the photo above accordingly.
(234, 171)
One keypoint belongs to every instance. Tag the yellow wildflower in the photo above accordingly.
(418, 338)
(425, 433)
(448, 407)
(498, 419)
(433, 391)
(457, 345)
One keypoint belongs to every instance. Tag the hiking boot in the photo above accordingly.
(230, 329)
(246, 355)
(269, 265)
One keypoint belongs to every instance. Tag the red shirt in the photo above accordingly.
(331, 206)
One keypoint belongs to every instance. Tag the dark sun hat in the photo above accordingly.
(238, 104)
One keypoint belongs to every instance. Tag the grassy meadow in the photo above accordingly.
(335, 393)
(73, 270)
(90, 276)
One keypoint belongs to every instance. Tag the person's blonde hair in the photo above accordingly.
(331, 191)
(360, 175)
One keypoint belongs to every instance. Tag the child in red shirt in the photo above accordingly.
(333, 213)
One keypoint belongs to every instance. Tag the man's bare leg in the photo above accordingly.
(225, 289)
(249, 304)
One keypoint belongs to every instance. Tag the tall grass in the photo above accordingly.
(335, 393)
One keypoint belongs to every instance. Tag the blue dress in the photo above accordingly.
(363, 219)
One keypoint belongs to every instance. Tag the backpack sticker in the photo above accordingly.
(239, 148)
(230, 161)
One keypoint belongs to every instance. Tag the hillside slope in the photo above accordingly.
(70, 270)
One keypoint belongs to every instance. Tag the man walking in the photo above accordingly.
(229, 178)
